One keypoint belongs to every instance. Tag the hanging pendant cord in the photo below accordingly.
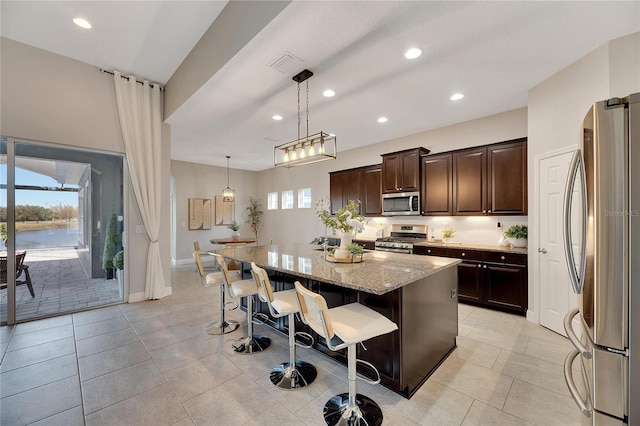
(307, 109)
(298, 110)
(228, 171)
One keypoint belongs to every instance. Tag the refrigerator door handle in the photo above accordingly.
(575, 276)
(582, 404)
(582, 349)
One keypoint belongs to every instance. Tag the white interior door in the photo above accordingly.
(553, 278)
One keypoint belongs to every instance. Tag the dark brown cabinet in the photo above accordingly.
(362, 183)
(372, 191)
(437, 185)
(344, 185)
(491, 180)
(487, 278)
(401, 170)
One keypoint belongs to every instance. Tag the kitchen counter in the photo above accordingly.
(469, 246)
(418, 293)
(378, 273)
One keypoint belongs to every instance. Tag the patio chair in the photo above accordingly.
(21, 269)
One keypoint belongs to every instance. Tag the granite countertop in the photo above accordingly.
(468, 246)
(379, 273)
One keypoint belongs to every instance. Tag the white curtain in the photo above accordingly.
(139, 109)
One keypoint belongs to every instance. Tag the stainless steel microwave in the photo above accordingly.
(401, 204)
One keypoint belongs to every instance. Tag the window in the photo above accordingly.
(304, 198)
(272, 201)
(287, 199)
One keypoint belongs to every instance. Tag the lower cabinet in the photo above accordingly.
(487, 278)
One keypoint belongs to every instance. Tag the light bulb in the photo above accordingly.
(312, 150)
(294, 154)
(303, 152)
(321, 150)
(286, 155)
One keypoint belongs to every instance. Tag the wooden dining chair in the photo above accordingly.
(21, 269)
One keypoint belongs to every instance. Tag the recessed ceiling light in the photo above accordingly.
(412, 53)
(456, 96)
(329, 93)
(277, 117)
(82, 23)
(383, 120)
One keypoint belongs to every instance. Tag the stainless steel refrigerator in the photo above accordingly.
(602, 244)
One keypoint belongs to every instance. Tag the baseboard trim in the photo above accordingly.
(139, 297)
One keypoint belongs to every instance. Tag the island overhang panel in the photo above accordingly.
(418, 293)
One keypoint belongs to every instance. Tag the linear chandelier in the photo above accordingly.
(307, 149)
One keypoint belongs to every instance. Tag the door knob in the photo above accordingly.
(542, 250)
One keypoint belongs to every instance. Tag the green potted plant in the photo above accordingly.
(347, 220)
(517, 235)
(448, 234)
(110, 246)
(235, 230)
(118, 263)
(254, 215)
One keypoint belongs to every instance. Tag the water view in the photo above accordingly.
(47, 238)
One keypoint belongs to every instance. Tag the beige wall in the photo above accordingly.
(557, 107)
(48, 97)
(202, 181)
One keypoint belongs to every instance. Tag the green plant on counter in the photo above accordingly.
(355, 249)
(516, 231)
(347, 219)
(234, 226)
(448, 233)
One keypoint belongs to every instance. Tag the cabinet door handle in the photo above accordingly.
(488, 211)
(429, 251)
(542, 250)
(502, 257)
(464, 254)
(479, 266)
(484, 266)
(484, 211)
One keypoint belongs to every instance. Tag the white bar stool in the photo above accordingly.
(221, 326)
(346, 326)
(238, 289)
(294, 374)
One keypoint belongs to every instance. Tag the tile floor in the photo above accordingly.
(150, 363)
(60, 284)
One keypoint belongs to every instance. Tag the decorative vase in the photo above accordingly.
(235, 235)
(518, 242)
(341, 252)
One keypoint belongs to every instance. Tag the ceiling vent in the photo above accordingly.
(286, 63)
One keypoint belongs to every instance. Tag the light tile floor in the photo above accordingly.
(151, 363)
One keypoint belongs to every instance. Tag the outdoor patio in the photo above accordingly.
(60, 285)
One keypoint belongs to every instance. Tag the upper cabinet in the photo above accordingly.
(362, 183)
(401, 170)
(437, 185)
(372, 191)
(491, 179)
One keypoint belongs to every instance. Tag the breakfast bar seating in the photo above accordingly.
(295, 373)
(238, 289)
(344, 327)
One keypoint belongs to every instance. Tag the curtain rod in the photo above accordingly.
(137, 81)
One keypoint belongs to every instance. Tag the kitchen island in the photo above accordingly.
(418, 293)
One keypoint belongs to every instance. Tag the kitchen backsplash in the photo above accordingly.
(469, 229)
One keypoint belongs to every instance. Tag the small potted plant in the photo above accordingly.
(235, 230)
(356, 252)
(254, 215)
(118, 263)
(347, 220)
(517, 235)
(448, 234)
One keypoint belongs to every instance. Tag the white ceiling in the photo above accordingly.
(493, 52)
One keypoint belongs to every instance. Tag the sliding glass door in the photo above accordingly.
(64, 223)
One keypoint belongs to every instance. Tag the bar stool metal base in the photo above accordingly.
(222, 327)
(284, 376)
(249, 345)
(338, 412)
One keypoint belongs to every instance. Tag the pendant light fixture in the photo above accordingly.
(307, 149)
(228, 194)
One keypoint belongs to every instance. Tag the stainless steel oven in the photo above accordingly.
(402, 238)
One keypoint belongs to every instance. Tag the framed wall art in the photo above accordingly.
(199, 213)
(225, 211)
